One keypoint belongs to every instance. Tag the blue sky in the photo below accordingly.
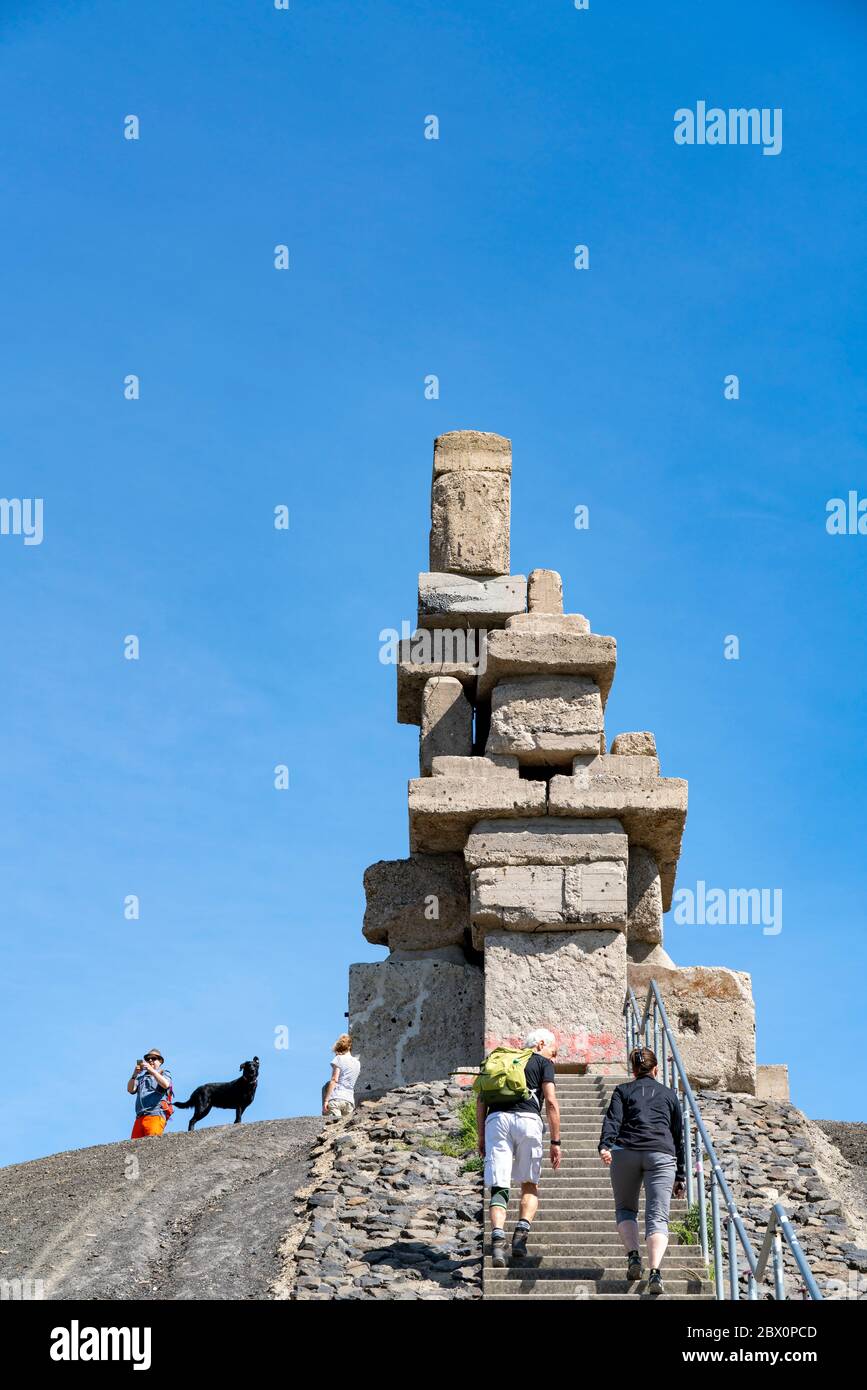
(408, 257)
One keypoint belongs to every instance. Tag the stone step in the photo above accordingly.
(609, 1256)
(584, 1222)
(564, 1280)
(555, 1292)
(602, 1264)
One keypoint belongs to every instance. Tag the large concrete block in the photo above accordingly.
(546, 720)
(435, 652)
(414, 1021)
(446, 722)
(653, 813)
(641, 769)
(545, 592)
(772, 1082)
(443, 810)
(470, 523)
(457, 600)
(544, 624)
(537, 897)
(571, 982)
(470, 451)
(639, 745)
(522, 898)
(545, 840)
(417, 904)
(473, 767)
(644, 897)
(713, 1016)
(512, 652)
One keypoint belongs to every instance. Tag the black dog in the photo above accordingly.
(226, 1095)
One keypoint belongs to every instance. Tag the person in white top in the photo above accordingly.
(338, 1097)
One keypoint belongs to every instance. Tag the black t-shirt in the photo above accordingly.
(538, 1070)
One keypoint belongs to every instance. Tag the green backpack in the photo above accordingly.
(502, 1080)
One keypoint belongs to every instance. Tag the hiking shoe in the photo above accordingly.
(519, 1245)
(633, 1268)
(654, 1283)
(498, 1254)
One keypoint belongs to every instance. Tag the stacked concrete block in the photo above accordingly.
(713, 1016)
(418, 904)
(545, 592)
(446, 722)
(570, 982)
(457, 600)
(414, 1020)
(470, 500)
(546, 720)
(550, 859)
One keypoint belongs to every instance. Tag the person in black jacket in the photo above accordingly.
(642, 1140)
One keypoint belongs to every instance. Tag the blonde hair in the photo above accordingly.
(344, 1043)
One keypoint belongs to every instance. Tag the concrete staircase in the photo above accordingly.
(574, 1250)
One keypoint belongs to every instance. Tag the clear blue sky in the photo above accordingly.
(258, 387)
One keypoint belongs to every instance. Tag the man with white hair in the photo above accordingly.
(510, 1138)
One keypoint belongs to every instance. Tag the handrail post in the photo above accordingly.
(717, 1237)
(734, 1287)
(687, 1145)
(779, 1272)
(702, 1209)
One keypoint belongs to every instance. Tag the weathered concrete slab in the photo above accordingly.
(545, 592)
(434, 652)
(772, 1082)
(634, 745)
(520, 898)
(469, 451)
(446, 722)
(546, 720)
(457, 600)
(653, 814)
(545, 840)
(470, 523)
(644, 894)
(417, 904)
(492, 766)
(443, 810)
(513, 653)
(543, 624)
(534, 897)
(571, 982)
(713, 1016)
(414, 1021)
(609, 764)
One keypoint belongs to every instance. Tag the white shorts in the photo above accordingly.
(513, 1148)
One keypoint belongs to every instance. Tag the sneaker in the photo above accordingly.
(654, 1283)
(519, 1245)
(498, 1254)
(633, 1268)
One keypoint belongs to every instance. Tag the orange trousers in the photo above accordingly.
(147, 1125)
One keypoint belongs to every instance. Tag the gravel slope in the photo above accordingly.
(187, 1216)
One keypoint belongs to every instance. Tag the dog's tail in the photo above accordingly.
(183, 1104)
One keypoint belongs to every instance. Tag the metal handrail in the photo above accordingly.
(654, 1030)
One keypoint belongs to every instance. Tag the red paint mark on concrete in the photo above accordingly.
(579, 1046)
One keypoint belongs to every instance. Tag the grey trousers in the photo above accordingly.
(657, 1170)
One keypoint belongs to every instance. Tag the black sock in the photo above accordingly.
(522, 1225)
(498, 1233)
